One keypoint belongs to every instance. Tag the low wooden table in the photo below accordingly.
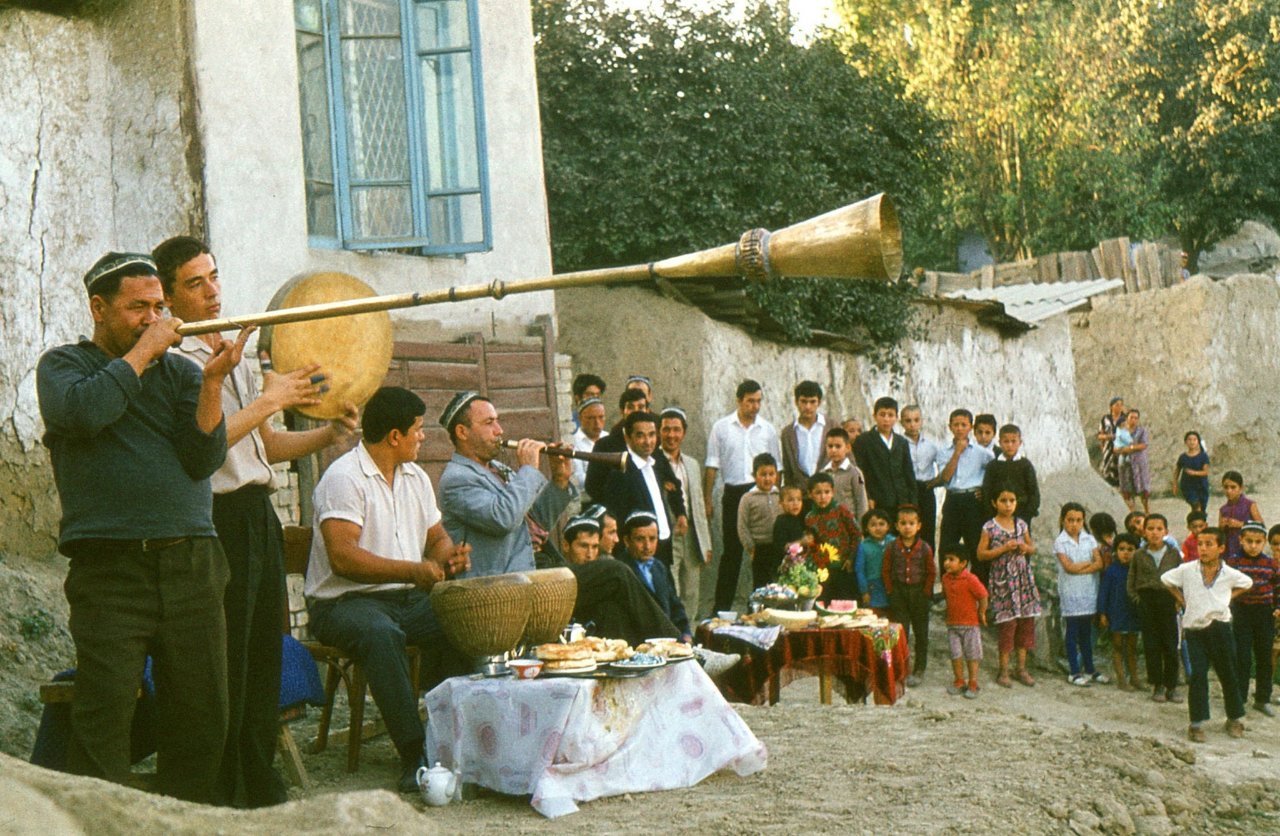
(843, 656)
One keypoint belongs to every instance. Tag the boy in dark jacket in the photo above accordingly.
(1012, 471)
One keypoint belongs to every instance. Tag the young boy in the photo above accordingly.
(1117, 614)
(1253, 615)
(1197, 521)
(757, 510)
(1013, 470)
(924, 456)
(1156, 609)
(885, 460)
(850, 485)
(831, 522)
(984, 432)
(966, 609)
(788, 528)
(640, 536)
(908, 574)
(1204, 591)
(962, 465)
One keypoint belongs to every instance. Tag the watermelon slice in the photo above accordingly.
(840, 606)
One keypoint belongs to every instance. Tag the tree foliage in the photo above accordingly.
(672, 131)
(1069, 122)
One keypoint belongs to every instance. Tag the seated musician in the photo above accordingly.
(486, 504)
(378, 548)
(640, 536)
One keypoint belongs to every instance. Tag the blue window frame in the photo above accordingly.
(393, 125)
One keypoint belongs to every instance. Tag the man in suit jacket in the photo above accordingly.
(804, 450)
(614, 441)
(691, 551)
(647, 483)
(885, 460)
(640, 535)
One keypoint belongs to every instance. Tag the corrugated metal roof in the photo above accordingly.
(1023, 306)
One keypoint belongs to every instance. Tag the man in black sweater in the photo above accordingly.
(134, 433)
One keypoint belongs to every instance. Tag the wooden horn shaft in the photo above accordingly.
(861, 240)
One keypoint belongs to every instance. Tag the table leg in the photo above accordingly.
(824, 685)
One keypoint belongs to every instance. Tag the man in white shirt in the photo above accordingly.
(378, 548)
(246, 521)
(590, 430)
(804, 440)
(735, 441)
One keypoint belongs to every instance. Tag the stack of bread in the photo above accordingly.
(666, 648)
(584, 654)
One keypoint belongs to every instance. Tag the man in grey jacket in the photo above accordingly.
(691, 549)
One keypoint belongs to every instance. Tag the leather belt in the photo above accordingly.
(162, 543)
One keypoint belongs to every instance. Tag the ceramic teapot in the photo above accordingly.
(437, 784)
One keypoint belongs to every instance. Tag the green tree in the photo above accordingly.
(1209, 83)
(672, 131)
(1043, 158)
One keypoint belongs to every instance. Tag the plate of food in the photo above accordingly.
(673, 650)
(639, 662)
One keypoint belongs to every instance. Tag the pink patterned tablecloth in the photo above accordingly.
(566, 740)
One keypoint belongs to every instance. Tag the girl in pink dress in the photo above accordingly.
(1015, 601)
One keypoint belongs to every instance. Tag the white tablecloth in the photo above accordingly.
(569, 740)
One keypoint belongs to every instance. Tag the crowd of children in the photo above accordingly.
(1208, 602)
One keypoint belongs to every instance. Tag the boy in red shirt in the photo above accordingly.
(966, 609)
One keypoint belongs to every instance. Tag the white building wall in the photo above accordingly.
(246, 72)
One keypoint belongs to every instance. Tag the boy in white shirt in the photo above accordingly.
(1204, 589)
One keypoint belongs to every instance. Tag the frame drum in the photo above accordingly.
(355, 350)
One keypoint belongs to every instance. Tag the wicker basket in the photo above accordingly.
(483, 616)
(555, 591)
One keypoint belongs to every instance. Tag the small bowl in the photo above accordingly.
(727, 615)
(526, 668)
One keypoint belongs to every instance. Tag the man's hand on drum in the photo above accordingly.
(458, 560)
(426, 573)
(301, 387)
(527, 452)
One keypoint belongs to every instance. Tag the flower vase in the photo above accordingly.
(805, 604)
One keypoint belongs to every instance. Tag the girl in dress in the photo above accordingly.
(1191, 473)
(1238, 510)
(1078, 565)
(1135, 469)
(1015, 601)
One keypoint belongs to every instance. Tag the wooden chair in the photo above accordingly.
(339, 666)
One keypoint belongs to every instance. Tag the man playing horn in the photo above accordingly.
(378, 547)
(134, 433)
(486, 504)
(246, 521)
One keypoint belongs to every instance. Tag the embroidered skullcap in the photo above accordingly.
(589, 402)
(595, 511)
(1254, 525)
(674, 412)
(637, 519)
(455, 408)
(639, 378)
(119, 264)
(580, 523)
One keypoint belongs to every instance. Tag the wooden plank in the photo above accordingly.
(1127, 271)
(1047, 269)
(950, 282)
(987, 277)
(447, 352)
(536, 423)
(1015, 272)
(549, 375)
(515, 370)
(930, 285)
(442, 376)
(522, 398)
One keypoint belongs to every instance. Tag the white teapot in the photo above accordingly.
(438, 784)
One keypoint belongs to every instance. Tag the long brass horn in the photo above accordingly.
(859, 241)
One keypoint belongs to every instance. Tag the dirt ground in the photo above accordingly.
(1052, 758)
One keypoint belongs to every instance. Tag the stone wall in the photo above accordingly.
(697, 362)
(1199, 356)
(97, 155)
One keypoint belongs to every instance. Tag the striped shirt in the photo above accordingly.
(1264, 574)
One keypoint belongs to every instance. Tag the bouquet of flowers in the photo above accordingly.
(805, 569)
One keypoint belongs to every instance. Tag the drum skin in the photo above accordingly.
(354, 351)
